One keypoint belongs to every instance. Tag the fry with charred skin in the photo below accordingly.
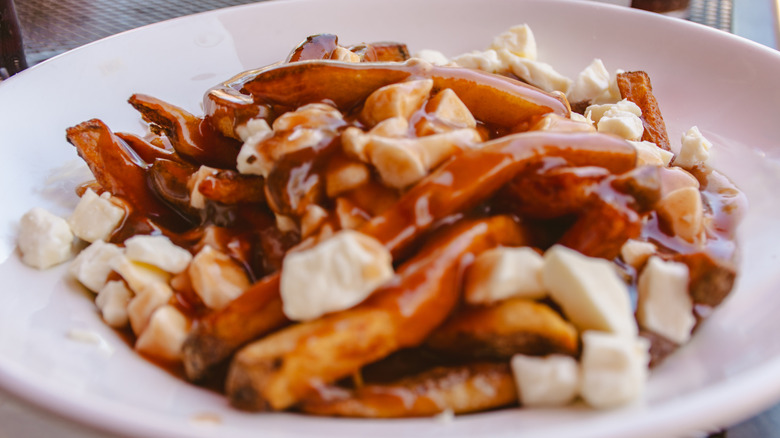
(188, 134)
(494, 100)
(458, 389)
(120, 171)
(635, 86)
(231, 187)
(513, 326)
(279, 370)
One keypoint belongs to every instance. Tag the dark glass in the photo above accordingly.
(11, 49)
(663, 6)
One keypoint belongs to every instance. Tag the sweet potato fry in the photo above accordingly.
(279, 370)
(460, 389)
(513, 326)
(191, 136)
(635, 86)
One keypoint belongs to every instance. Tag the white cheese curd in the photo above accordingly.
(216, 278)
(197, 200)
(683, 211)
(589, 291)
(334, 275)
(636, 252)
(434, 57)
(165, 334)
(664, 305)
(249, 160)
(695, 149)
(138, 275)
(487, 61)
(591, 83)
(45, 239)
(346, 55)
(158, 251)
(257, 128)
(145, 302)
(546, 381)
(94, 264)
(536, 73)
(400, 99)
(648, 153)
(112, 300)
(614, 369)
(518, 40)
(622, 119)
(502, 272)
(95, 217)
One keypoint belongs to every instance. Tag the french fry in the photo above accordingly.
(215, 337)
(602, 229)
(635, 86)
(231, 187)
(710, 280)
(279, 370)
(492, 99)
(552, 193)
(190, 136)
(457, 389)
(456, 186)
(513, 326)
(475, 175)
(120, 171)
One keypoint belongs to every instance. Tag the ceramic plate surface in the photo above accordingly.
(725, 85)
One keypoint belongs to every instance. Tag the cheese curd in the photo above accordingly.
(396, 100)
(591, 83)
(216, 278)
(622, 119)
(501, 273)
(695, 149)
(613, 368)
(93, 265)
(112, 300)
(404, 161)
(197, 200)
(138, 275)
(44, 239)
(519, 40)
(589, 291)
(546, 381)
(648, 153)
(95, 216)
(663, 304)
(165, 334)
(148, 299)
(336, 274)
(157, 251)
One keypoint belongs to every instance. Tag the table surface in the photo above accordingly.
(47, 33)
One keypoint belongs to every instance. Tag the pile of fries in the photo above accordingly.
(435, 171)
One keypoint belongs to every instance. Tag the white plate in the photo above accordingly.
(725, 85)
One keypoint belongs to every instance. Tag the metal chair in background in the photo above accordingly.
(12, 59)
